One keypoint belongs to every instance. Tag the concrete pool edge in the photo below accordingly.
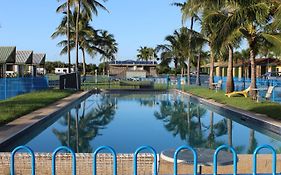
(17, 128)
(260, 119)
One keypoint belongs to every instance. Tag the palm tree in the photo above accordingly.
(109, 46)
(67, 31)
(91, 41)
(189, 10)
(177, 49)
(168, 52)
(230, 41)
(89, 7)
(196, 43)
(85, 127)
(146, 53)
(251, 18)
(86, 36)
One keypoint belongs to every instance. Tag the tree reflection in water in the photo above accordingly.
(184, 119)
(84, 126)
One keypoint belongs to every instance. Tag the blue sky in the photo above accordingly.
(28, 24)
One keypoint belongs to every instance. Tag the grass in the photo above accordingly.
(270, 109)
(18, 106)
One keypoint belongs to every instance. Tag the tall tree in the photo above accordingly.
(252, 19)
(189, 10)
(90, 6)
(146, 53)
(67, 31)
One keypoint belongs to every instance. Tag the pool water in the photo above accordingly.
(128, 121)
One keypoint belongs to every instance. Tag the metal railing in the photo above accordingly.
(135, 160)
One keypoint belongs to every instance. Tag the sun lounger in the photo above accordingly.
(269, 92)
(217, 85)
(244, 92)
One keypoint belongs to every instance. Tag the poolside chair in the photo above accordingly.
(218, 85)
(244, 92)
(269, 92)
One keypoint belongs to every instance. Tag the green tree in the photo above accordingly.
(177, 48)
(84, 127)
(67, 30)
(189, 10)
(146, 53)
(251, 18)
(88, 7)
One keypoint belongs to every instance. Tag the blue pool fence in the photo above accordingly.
(152, 150)
(10, 87)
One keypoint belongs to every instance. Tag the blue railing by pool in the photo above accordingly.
(10, 87)
(152, 150)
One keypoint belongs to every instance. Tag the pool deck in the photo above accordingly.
(19, 127)
(260, 120)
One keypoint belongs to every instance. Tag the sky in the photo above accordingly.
(28, 25)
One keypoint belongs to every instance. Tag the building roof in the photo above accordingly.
(259, 61)
(24, 57)
(131, 62)
(39, 58)
(7, 55)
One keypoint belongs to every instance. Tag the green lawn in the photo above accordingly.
(271, 109)
(15, 107)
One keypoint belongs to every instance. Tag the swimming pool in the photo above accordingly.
(126, 121)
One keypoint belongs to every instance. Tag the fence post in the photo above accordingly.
(273, 158)
(12, 168)
(114, 159)
(54, 159)
(154, 161)
(234, 155)
(176, 159)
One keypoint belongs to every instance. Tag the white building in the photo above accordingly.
(62, 70)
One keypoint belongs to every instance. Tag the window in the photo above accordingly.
(9, 68)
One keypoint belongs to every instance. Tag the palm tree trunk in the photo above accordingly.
(199, 119)
(84, 62)
(176, 65)
(188, 71)
(229, 131)
(251, 142)
(77, 33)
(211, 134)
(198, 70)
(188, 59)
(188, 115)
(229, 81)
(211, 78)
(253, 72)
(77, 130)
(68, 124)
(68, 37)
